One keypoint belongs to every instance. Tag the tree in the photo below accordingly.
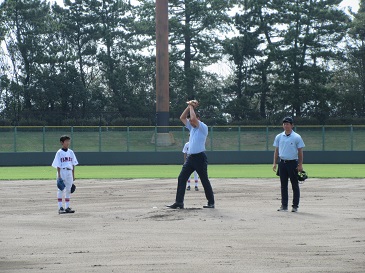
(27, 31)
(295, 43)
(254, 52)
(357, 59)
(310, 39)
(193, 34)
(119, 54)
(78, 28)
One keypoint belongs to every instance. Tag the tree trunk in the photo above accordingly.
(189, 75)
(264, 91)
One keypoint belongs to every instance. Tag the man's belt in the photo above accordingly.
(196, 154)
(287, 161)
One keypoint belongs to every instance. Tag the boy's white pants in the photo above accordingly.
(66, 175)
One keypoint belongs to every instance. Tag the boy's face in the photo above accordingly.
(66, 143)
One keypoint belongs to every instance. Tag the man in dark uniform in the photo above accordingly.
(289, 150)
(197, 159)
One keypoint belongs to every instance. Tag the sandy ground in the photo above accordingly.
(123, 226)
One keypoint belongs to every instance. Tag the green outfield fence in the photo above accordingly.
(143, 138)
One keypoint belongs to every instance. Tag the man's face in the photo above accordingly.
(287, 126)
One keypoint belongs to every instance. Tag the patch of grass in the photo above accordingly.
(172, 171)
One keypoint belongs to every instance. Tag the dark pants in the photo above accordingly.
(198, 163)
(288, 170)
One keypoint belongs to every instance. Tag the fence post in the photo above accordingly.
(352, 137)
(15, 131)
(72, 137)
(323, 138)
(99, 138)
(267, 138)
(155, 138)
(183, 136)
(44, 138)
(127, 138)
(211, 138)
(239, 138)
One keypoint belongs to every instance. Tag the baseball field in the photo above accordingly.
(122, 225)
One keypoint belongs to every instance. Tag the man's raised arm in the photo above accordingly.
(184, 115)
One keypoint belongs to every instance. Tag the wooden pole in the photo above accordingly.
(162, 65)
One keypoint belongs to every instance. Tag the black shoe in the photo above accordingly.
(209, 206)
(188, 188)
(61, 210)
(176, 206)
(69, 210)
(282, 208)
(196, 188)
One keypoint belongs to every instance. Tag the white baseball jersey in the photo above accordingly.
(65, 159)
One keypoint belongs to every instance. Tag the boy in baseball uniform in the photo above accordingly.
(186, 154)
(65, 162)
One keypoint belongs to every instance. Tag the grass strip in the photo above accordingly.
(172, 171)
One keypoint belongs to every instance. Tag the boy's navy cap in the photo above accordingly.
(288, 119)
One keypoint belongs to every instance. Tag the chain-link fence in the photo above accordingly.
(148, 138)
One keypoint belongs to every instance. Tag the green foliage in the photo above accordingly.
(281, 57)
(131, 122)
(91, 62)
(4, 122)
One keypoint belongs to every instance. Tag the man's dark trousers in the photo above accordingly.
(198, 163)
(288, 170)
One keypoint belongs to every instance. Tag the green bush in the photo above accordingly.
(5, 122)
(84, 122)
(131, 122)
(31, 122)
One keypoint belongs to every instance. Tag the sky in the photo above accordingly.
(354, 4)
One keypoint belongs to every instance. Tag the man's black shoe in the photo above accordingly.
(176, 206)
(209, 206)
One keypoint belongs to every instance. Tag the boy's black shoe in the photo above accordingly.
(188, 188)
(176, 206)
(196, 188)
(61, 210)
(69, 210)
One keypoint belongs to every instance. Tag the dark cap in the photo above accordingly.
(288, 119)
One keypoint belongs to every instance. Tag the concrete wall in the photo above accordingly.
(150, 158)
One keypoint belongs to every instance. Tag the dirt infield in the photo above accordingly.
(123, 226)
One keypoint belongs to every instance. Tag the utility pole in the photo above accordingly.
(163, 138)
